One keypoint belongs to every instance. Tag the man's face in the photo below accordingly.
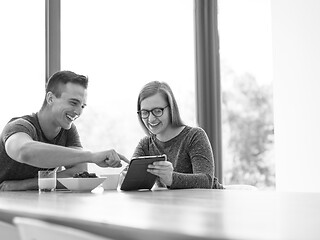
(69, 106)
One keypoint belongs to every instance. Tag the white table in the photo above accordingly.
(174, 214)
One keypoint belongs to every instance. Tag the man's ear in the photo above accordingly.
(50, 98)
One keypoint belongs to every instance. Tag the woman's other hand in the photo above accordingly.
(162, 169)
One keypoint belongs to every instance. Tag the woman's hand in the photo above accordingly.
(162, 169)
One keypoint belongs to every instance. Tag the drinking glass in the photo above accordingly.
(47, 180)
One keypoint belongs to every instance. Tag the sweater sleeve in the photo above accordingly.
(201, 158)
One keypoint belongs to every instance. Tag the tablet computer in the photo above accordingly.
(137, 176)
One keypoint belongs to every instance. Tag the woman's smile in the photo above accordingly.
(154, 125)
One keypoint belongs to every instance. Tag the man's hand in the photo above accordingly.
(110, 158)
(19, 185)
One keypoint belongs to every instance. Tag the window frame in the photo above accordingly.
(53, 37)
(207, 70)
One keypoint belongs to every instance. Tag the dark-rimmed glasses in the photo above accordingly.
(157, 112)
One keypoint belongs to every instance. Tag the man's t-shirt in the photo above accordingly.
(29, 124)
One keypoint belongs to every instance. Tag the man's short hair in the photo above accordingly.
(62, 78)
(58, 80)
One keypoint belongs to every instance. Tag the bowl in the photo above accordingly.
(111, 182)
(81, 184)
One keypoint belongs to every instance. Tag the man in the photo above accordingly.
(49, 139)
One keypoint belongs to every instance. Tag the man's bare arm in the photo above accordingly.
(32, 183)
(22, 148)
(19, 185)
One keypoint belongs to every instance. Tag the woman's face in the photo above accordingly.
(156, 124)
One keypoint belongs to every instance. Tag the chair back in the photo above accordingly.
(8, 231)
(35, 229)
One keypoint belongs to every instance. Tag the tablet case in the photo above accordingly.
(137, 176)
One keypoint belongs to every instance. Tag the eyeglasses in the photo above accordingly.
(157, 112)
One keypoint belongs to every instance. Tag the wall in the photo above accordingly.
(296, 55)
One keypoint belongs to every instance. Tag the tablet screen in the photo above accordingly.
(137, 176)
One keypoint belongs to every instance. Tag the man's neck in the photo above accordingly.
(48, 127)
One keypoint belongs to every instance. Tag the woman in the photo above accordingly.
(189, 155)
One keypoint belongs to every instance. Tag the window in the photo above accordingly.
(22, 58)
(148, 42)
(122, 45)
(246, 83)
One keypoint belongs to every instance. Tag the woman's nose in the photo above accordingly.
(151, 117)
